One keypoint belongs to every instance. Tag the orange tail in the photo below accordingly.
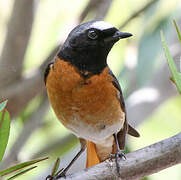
(92, 157)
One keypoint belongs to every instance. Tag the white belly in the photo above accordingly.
(96, 133)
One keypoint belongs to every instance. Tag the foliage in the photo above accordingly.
(20, 166)
(4, 136)
(178, 31)
(3, 105)
(176, 76)
(4, 128)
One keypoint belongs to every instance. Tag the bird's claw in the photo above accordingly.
(121, 155)
(118, 155)
(59, 174)
(49, 177)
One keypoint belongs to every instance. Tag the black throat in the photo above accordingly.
(88, 61)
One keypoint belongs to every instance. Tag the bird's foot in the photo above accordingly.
(49, 177)
(118, 156)
(59, 174)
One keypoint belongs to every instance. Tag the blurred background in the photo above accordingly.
(32, 31)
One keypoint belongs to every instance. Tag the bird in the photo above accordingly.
(85, 94)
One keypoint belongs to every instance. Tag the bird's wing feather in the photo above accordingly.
(126, 128)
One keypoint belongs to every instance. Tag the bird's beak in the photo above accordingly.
(121, 35)
(117, 36)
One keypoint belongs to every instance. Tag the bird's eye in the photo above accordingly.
(92, 34)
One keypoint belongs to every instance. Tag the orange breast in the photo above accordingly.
(92, 101)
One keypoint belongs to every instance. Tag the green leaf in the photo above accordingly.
(3, 105)
(20, 166)
(4, 131)
(178, 31)
(21, 173)
(173, 69)
(55, 167)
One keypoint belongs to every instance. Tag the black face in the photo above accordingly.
(88, 45)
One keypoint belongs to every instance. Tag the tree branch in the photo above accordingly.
(138, 164)
(137, 13)
(100, 7)
(103, 9)
(27, 88)
(17, 38)
(90, 5)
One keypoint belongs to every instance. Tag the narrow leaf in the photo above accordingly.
(21, 173)
(4, 131)
(3, 105)
(173, 69)
(55, 167)
(178, 31)
(20, 166)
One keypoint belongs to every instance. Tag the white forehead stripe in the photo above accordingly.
(101, 25)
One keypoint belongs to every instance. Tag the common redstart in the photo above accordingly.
(86, 96)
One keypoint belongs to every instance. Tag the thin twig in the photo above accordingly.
(137, 13)
(100, 8)
(90, 5)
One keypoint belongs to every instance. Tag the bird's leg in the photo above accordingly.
(118, 154)
(63, 171)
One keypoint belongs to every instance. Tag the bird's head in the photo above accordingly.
(88, 45)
